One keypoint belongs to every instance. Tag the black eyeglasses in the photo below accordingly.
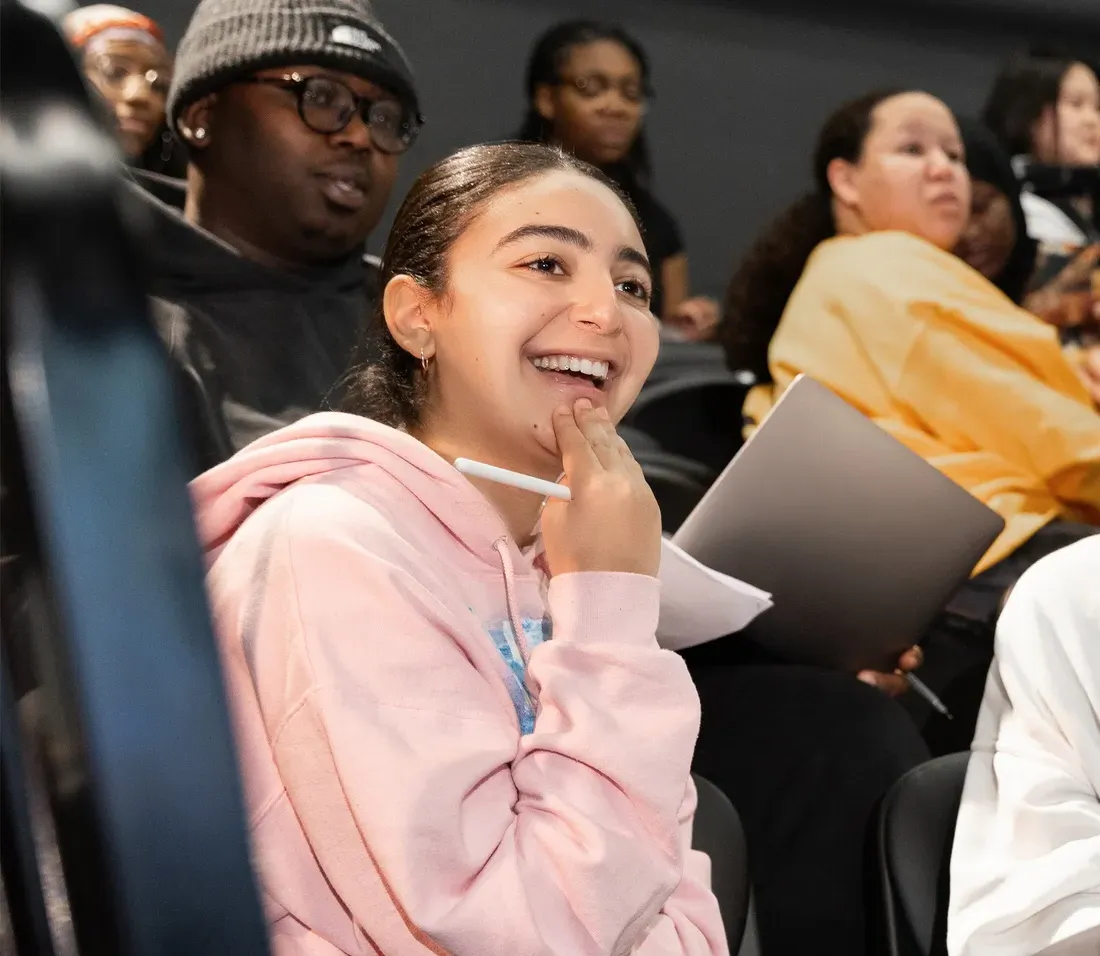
(328, 106)
(594, 85)
(116, 72)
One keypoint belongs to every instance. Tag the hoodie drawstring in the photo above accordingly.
(501, 547)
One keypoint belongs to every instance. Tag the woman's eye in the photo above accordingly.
(547, 264)
(633, 287)
(913, 149)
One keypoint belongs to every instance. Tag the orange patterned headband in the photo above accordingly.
(83, 25)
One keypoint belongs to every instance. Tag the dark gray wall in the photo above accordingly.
(742, 86)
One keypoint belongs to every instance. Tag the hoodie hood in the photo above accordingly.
(697, 604)
(254, 348)
(325, 443)
(185, 260)
(455, 527)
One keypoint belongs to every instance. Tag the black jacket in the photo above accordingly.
(254, 348)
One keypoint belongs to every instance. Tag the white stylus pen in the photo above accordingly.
(502, 476)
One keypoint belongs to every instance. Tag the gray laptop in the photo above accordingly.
(859, 540)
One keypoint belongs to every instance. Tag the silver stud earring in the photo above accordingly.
(200, 133)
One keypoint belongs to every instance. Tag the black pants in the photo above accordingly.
(958, 647)
(804, 754)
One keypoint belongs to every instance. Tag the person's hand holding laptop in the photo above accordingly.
(859, 540)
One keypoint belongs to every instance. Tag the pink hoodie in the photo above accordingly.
(385, 649)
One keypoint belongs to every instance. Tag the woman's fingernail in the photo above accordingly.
(867, 678)
(584, 404)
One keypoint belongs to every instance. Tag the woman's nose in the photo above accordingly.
(596, 306)
(940, 164)
(135, 89)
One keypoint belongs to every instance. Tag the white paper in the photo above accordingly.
(698, 603)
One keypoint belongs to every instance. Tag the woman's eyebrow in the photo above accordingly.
(572, 237)
(630, 254)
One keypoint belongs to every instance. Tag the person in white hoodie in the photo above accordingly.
(1025, 867)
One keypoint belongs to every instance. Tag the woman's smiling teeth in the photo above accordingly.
(595, 370)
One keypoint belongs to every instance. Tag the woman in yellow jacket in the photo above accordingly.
(856, 286)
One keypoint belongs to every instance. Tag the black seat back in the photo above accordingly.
(637, 441)
(912, 840)
(677, 358)
(697, 415)
(717, 833)
(678, 484)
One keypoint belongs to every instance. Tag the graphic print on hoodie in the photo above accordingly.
(504, 639)
(399, 800)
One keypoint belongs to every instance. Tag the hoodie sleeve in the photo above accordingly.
(690, 921)
(1025, 867)
(1050, 432)
(945, 363)
(399, 755)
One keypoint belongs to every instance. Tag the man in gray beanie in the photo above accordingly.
(293, 113)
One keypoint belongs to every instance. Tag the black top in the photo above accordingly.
(255, 348)
(661, 236)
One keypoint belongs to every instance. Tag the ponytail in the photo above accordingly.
(767, 276)
(388, 383)
(764, 281)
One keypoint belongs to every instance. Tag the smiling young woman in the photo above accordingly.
(424, 766)
(467, 359)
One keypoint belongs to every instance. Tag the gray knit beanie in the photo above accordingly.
(232, 39)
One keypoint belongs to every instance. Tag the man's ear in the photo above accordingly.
(196, 125)
(409, 322)
(843, 179)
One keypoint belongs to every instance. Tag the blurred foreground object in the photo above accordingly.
(103, 603)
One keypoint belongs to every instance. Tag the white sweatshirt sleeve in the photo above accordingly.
(1025, 869)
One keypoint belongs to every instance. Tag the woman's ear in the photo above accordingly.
(403, 305)
(1044, 135)
(197, 122)
(843, 177)
(544, 101)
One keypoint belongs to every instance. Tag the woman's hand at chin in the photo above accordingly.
(613, 522)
